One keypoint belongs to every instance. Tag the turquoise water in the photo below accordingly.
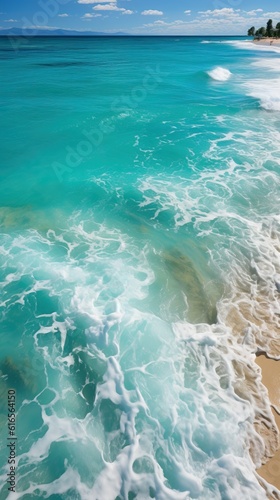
(139, 258)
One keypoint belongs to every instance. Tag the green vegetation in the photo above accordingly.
(252, 31)
(269, 31)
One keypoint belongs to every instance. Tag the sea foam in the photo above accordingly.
(268, 92)
(249, 45)
(220, 74)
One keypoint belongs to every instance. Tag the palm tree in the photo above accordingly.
(252, 31)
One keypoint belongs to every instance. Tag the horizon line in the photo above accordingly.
(96, 34)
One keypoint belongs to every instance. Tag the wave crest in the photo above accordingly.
(220, 74)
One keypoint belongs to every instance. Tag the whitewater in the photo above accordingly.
(139, 266)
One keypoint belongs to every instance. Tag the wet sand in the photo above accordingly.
(265, 329)
(267, 41)
(270, 368)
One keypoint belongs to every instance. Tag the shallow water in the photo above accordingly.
(139, 265)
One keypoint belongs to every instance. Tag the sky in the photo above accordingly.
(144, 17)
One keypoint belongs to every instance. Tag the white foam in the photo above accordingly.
(220, 74)
(272, 64)
(249, 45)
(213, 202)
(267, 91)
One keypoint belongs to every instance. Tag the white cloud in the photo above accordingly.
(40, 27)
(152, 13)
(163, 23)
(187, 12)
(112, 7)
(225, 12)
(226, 21)
(275, 15)
(95, 1)
(253, 12)
(108, 6)
(88, 17)
(63, 15)
(11, 21)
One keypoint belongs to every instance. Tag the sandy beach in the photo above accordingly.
(266, 332)
(268, 41)
(270, 368)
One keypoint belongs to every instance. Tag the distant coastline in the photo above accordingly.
(29, 32)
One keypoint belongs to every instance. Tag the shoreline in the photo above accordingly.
(267, 42)
(270, 373)
(265, 452)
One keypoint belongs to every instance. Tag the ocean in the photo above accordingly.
(139, 266)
